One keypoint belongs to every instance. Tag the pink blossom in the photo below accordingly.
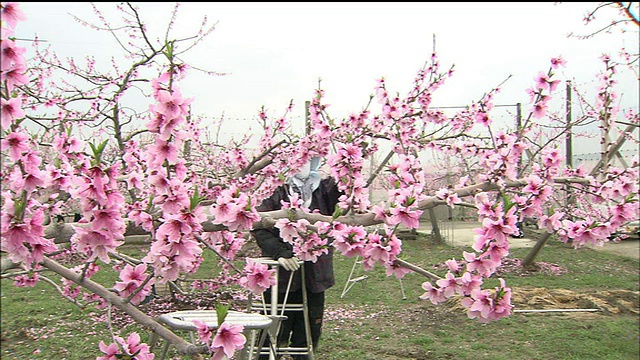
(11, 111)
(258, 277)
(243, 218)
(156, 120)
(203, 331)
(482, 266)
(380, 213)
(162, 151)
(397, 270)
(173, 229)
(553, 222)
(453, 265)
(433, 294)
(11, 13)
(542, 81)
(130, 347)
(499, 228)
(448, 196)
(108, 219)
(311, 248)
(485, 307)
(539, 109)
(132, 278)
(483, 118)
(16, 143)
(553, 85)
(485, 207)
(453, 199)
(288, 229)
(141, 218)
(97, 244)
(449, 285)
(482, 238)
(175, 200)
(14, 75)
(552, 158)
(223, 208)
(624, 212)
(479, 305)
(33, 178)
(25, 242)
(64, 143)
(394, 243)
(10, 54)
(172, 104)
(227, 243)
(110, 350)
(40, 245)
(470, 283)
(350, 240)
(376, 250)
(557, 62)
(533, 186)
(135, 181)
(408, 218)
(133, 346)
(532, 94)
(228, 339)
(26, 281)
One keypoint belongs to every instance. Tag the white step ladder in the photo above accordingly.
(276, 312)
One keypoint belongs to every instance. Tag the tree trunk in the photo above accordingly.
(435, 231)
(528, 261)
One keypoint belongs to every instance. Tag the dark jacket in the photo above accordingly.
(319, 275)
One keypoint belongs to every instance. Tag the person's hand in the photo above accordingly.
(290, 264)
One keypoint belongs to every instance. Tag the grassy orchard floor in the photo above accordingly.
(373, 321)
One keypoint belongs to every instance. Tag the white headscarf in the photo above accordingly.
(305, 181)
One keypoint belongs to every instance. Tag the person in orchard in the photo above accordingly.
(316, 193)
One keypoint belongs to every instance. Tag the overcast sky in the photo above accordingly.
(276, 52)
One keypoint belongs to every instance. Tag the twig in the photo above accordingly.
(219, 255)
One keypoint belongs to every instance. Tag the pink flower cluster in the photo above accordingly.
(492, 244)
(227, 340)
(257, 277)
(234, 209)
(307, 243)
(131, 281)
(544, 83)
(102, 207)
(131, 348)
(176, 248)
(22, 214)
(347, 166)
(407, 185)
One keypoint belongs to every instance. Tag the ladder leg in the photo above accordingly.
(305, 311)
(346, 285)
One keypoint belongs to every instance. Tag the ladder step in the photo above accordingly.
(289, 351)
(291, 307)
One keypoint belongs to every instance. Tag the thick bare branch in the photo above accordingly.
(183, 346)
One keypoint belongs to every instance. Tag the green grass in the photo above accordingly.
(374, 321)
(420, 330)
